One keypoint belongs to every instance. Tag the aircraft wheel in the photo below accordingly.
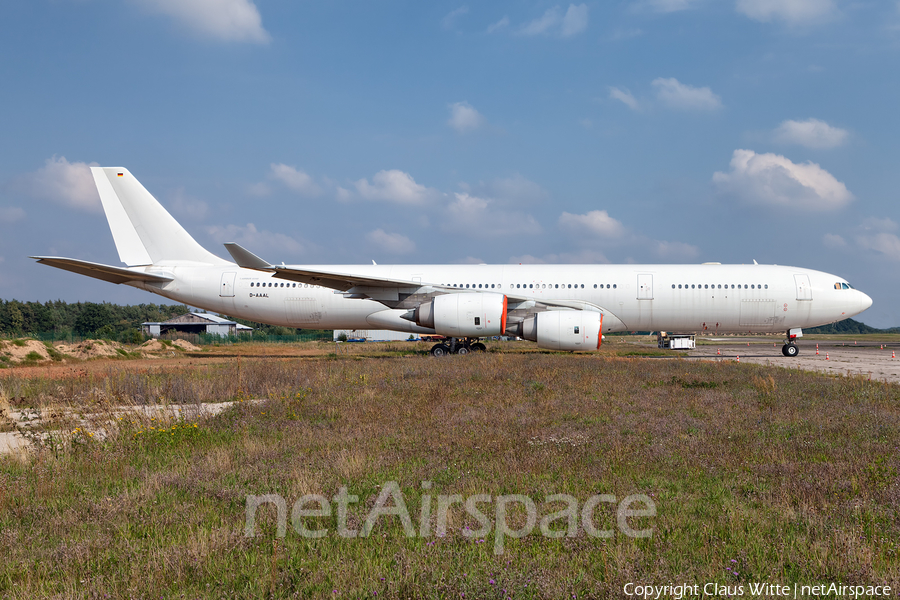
(462, 350)
(440, 350)
(790, 350)
(479, 347)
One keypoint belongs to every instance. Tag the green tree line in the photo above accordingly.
(85, 319)
(849, 326)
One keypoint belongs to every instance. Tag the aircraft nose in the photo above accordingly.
(864, 301)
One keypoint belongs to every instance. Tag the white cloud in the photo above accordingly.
(873, 234)
(575, 20)
(392, 243)
(833, 240)
(464, 117)
(450, 19)
(264, 243)
(773, 180)
(69, 184)
(543, 24)
(554, 21)
(11, 214)
(676, 250)
(595, 223)
(473, 215)
(294, 179)
(625, 97)
(226, 20)
(501, 24)
(514, 191)
(793, 12)
(259, 189)
(811, 133)
(682, 96)
(394, 186)
(342, 194)
(878, 224)
(186, 206)
(469, 260)
(582, 257)
(884, 243)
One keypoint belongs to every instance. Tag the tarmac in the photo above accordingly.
(866, 359)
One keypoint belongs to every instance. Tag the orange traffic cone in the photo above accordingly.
(826, 356)
(739, 358)
(718, 352)
(817, 349)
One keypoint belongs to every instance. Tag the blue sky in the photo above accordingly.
(666, 131)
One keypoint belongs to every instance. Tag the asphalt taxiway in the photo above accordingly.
(871, 360)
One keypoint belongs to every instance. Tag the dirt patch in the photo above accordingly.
(186, 345)
(90, 349)
(20, 350)
(152, 346)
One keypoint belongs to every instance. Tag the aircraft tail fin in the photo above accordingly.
(144, 232)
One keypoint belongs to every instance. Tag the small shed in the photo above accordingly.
(196, 323)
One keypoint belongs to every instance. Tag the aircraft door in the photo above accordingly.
(804, 291)
(645, 286)
(226, 290)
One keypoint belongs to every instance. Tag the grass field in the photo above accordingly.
(757, 474)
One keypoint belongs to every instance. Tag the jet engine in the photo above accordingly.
(562, 329)
(462, 315)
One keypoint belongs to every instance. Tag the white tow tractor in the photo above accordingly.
(675, 341)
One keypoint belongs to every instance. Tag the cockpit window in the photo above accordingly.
(846, 286)
(843, 286)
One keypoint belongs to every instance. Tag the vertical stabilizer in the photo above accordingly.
(144, 232)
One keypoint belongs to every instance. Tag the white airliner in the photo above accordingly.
(561, 307)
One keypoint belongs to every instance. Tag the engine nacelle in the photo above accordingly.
(563, 329)
(464, 315)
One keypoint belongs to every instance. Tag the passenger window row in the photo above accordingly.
(531, 286)
(707, 286)
(277, 284)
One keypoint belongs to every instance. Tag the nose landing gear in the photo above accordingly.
(790, 348)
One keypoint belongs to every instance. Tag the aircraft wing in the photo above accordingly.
(330, 279)
(99, 271)
(391, 292)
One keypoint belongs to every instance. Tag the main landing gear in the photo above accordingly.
(458, 346)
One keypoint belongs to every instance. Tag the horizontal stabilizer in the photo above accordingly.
(246, 259)
(99, 271)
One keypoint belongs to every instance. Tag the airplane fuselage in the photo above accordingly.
(713, 298)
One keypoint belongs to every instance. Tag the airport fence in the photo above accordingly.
(256, 337)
